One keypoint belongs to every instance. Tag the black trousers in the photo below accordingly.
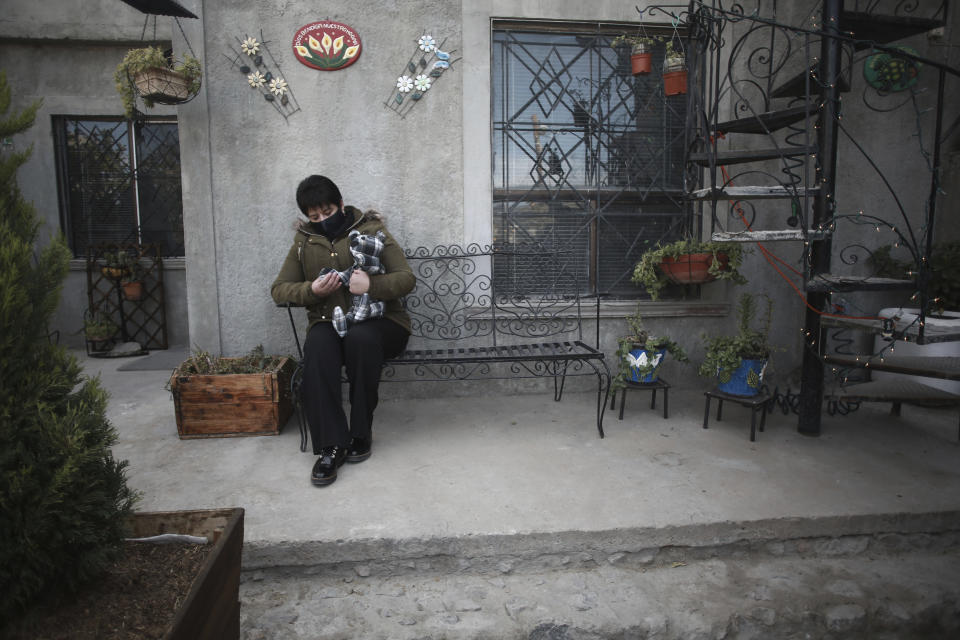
(362, 351)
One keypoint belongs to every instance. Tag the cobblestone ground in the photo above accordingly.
(859, 595)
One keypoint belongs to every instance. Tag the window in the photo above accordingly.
(119, 182)
(586, 157)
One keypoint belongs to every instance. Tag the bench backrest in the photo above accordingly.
(492, 295)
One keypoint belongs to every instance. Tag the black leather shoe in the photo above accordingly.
(358, 450)
(325, 468)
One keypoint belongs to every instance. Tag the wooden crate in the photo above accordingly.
(211, 610)
(239, 404)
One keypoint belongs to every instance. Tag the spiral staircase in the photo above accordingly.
(767, 104)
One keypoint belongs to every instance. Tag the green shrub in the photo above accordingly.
(64, 502)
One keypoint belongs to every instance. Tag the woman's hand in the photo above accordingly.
(326, 284)
(359, 282)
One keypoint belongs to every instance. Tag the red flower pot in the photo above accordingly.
(641, 63)
(692, 268)
(675, 82)
(132, 290)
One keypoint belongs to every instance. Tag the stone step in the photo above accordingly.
(890, 575)
(772, 235)
(752, 192)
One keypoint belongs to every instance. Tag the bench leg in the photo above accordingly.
(558, 390)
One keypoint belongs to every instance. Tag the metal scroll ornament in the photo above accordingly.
(261, 72)
(422, 71)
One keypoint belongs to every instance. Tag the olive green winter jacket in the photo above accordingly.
(312, 252)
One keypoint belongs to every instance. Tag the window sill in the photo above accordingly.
(169, 264)
(664, 308)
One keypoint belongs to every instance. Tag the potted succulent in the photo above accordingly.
(674, 69)
(640, 354)
(688, 261)
(153, 76)
(739, 361)
(641, 52)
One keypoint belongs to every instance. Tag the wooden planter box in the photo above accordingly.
(239, 404)
(211, 609)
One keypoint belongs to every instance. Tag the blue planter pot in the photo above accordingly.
(739, 383)
(644, 357)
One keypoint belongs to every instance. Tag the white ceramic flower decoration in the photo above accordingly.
(422, 83)
(278, 86)
(637, 361)
(256, 79)
(404, 84)
(250, 46)
(427, 43)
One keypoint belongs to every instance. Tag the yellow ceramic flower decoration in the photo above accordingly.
(351, 51)
(256, 79)
(337, 45)
(302, 50)
(278, 86)
(314, 43)
(326, 42)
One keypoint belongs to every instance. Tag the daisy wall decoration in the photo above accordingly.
(261, 71)
(422, 71)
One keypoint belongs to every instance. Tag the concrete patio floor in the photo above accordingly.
(468, 466)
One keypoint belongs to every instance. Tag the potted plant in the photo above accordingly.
(688, 261)
(245, 396)
(132, 282)
(99, 331)
(640, 355)
(116, 264)
(674, 69)
(641, 52)
(739, 361)
(152, 75)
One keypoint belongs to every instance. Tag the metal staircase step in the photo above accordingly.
(833, 282)
(909, 331)
(881, 29)
(896, 390)
(752, 193)
(796, 87)
(946, 367)
(767, 121)
(777, 235)
(751, 155)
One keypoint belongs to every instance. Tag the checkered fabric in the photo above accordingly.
(366, 252)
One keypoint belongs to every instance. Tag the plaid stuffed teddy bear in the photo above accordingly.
(366, 252)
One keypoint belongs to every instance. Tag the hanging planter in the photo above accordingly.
(693, 268)
(674, 71)
(156, 79)
(641, 52)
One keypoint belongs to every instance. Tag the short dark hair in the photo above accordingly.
(317, 191)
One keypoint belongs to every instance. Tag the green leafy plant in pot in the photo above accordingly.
(153, 76)
(688, 261)
(641, 52)
(640, 354)
(738, 362)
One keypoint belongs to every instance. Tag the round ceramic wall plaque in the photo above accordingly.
(327, 46)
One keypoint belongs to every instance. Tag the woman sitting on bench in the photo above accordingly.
(322, 274)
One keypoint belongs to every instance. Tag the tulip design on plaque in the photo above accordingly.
(327, 46)
(420, 74)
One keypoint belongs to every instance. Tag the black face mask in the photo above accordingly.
(330, 225)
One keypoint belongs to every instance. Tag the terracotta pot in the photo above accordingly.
(675, 82)
(692, 268)
(133, 290)
(641, 63)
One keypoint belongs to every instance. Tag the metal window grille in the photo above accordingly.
(587, 158)
(120, 183)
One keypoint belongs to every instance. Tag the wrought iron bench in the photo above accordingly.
(468, 324)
